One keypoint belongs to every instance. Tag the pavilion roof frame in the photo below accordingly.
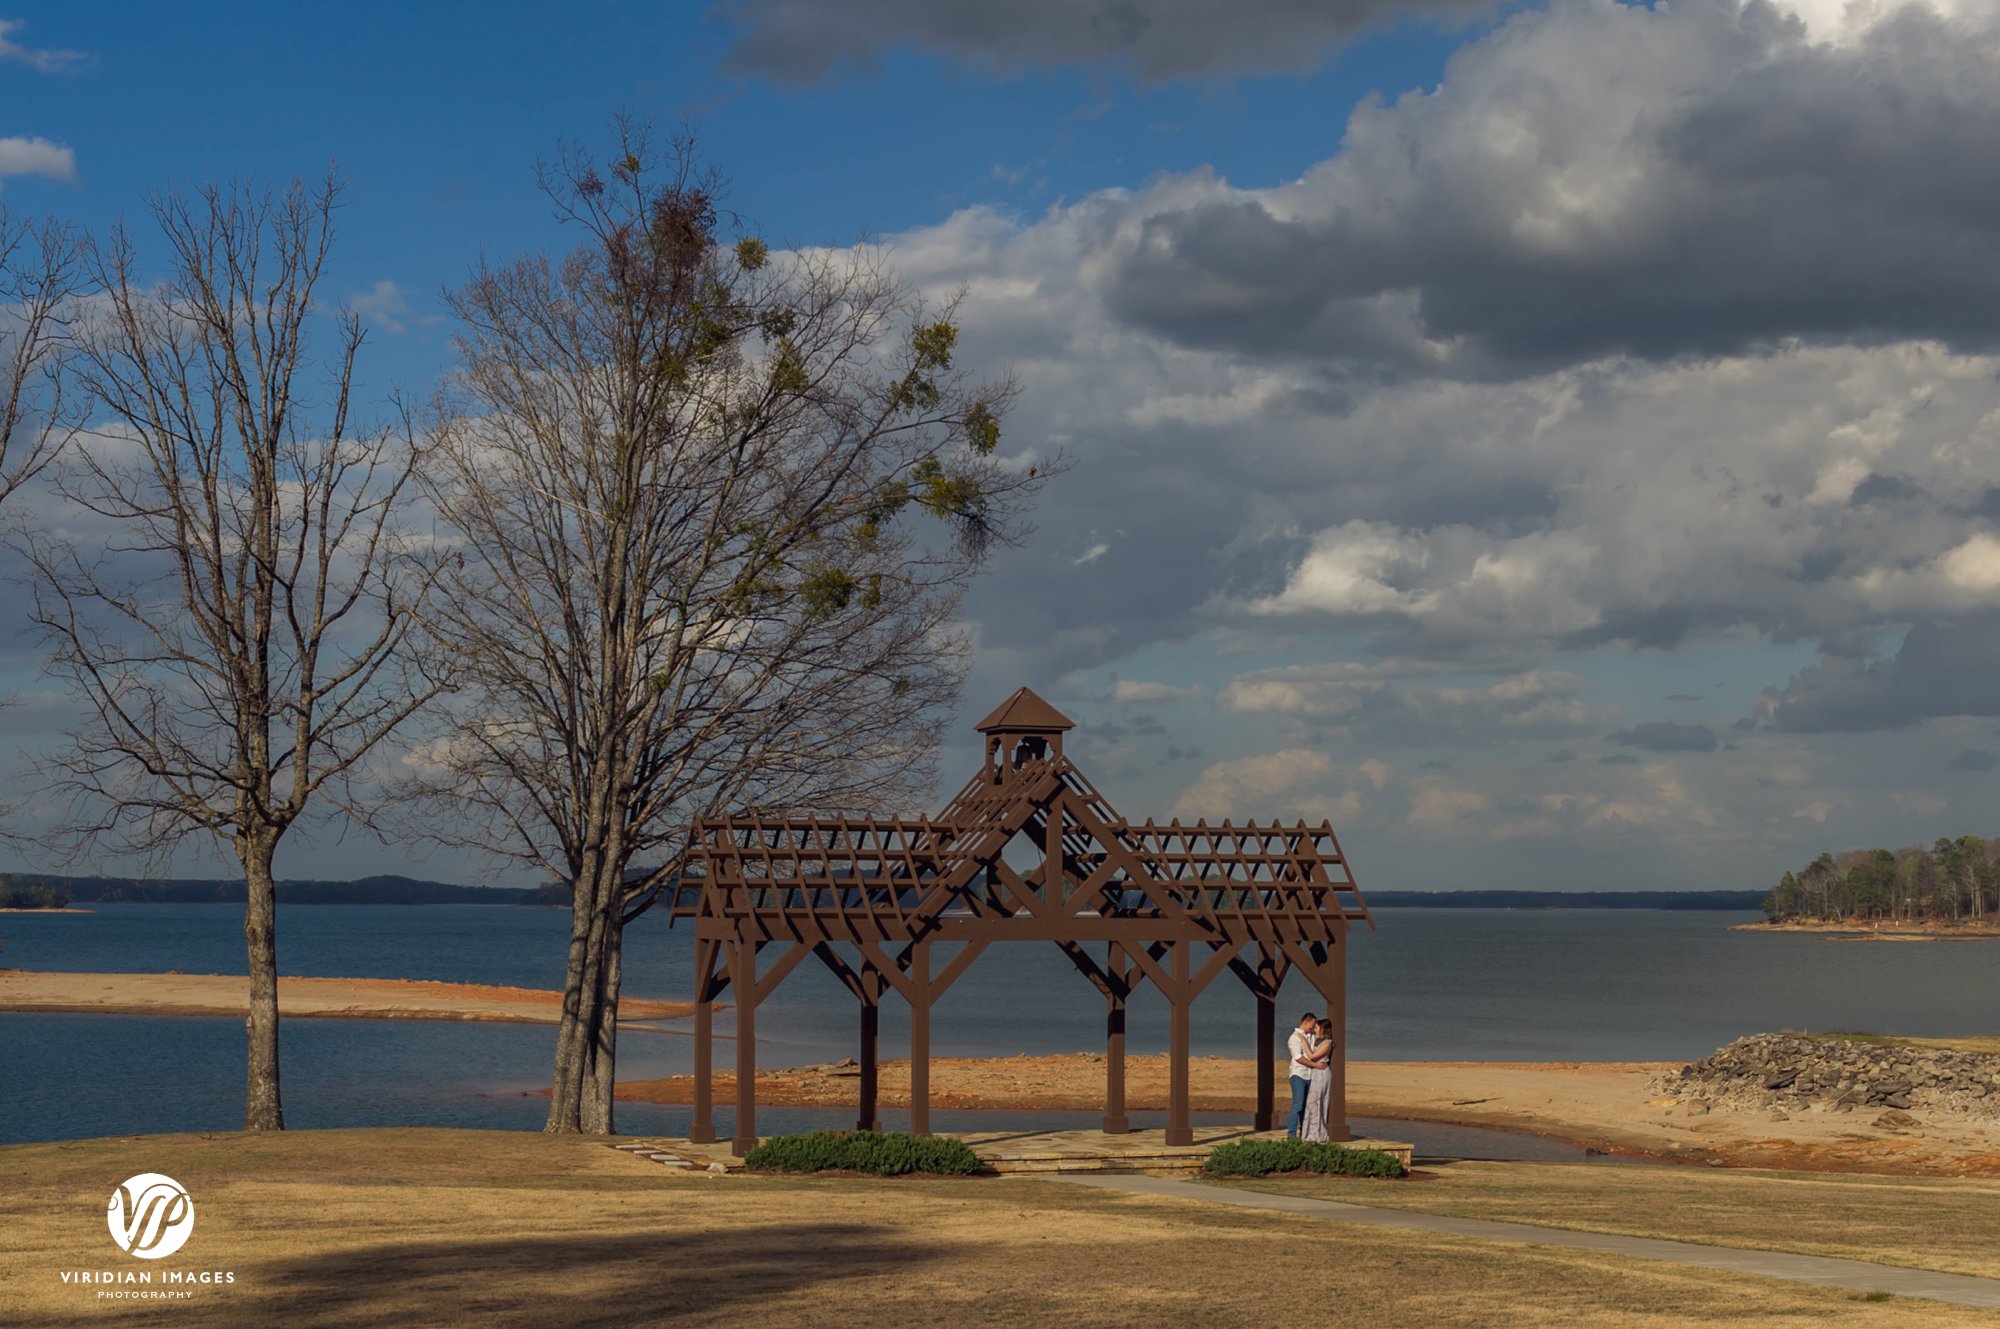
(1171, 903)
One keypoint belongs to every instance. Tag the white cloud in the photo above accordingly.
(1282, 783)
(36, 156)
(42, 61)
(384, 305)
(1132, 691)
(1379, 707)
(1434, 804)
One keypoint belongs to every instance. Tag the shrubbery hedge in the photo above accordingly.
(864, 1151)
(1257, 1158)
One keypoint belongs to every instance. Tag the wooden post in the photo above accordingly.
(743, 978)
(869, 1118)
(1115, 1120)
(920, 1037)
(703, 1129)
(1179, 1130)
(1267, 1038)
(1335, 992)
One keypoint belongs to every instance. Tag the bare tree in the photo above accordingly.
(688, 478)
(38, 281)
(233, 612)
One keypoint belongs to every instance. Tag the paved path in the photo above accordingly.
(1852, 1275)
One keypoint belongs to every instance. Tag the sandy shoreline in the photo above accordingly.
(1608, 1106)
(1866, 930)
(298, 998)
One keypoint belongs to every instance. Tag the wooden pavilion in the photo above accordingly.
(871, 897)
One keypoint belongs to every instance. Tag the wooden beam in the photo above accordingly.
(1267, 1072)
(702, 1130)
(920, 1037)
(867, 1115)
(1115, 990)
(1180, 1130)
(743, 964)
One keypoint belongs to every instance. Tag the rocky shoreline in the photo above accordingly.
(1786, 1072)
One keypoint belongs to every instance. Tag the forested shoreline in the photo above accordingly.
(37, 890)
(1953, 880)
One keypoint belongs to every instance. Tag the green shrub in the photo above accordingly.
(864, 1151)
(1258, 1158)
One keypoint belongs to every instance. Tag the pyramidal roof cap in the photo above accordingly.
(1024, 711)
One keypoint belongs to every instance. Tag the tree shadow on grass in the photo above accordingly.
(579, 1281)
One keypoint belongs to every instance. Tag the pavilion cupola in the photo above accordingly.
(1021, 729)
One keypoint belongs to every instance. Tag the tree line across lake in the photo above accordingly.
(34, 891)
(39, 891)
(1952, 880)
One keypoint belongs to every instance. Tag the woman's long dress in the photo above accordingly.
(1319, 1095)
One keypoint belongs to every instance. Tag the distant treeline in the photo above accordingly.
(1953, 879)
(183, 890)
(409, 890)
(1566, 899)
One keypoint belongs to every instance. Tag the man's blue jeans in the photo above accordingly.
(1298, 1117)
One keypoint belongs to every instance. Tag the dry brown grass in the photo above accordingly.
(429, 1227)
(1951, 1225)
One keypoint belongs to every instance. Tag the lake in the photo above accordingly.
(1429, 984)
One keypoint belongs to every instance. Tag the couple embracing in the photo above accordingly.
(1311, 1046)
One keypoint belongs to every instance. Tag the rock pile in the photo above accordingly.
(1783, 1071)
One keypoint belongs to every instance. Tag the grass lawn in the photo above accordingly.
(1947, 1224)
(1975, 1044)
(435, 1227)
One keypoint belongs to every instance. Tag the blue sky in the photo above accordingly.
(1554, 441)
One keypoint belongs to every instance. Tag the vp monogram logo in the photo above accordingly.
(150, 1216)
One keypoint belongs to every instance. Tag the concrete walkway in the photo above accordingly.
(1851, 1275)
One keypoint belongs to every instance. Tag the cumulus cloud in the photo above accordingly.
(1257, 786)
(384, 305)
(1377, 707)
(42, 61)
(1942, 668)
(1291, 782)
(802, 41)
(1608, 179)
(1562, 356)
(1667, 736)
(1332, 411)
(36, 156)
(1685, 501)
(1132, 691)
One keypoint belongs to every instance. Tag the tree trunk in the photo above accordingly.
(601, 1080)
(575, 1032)
(262, 1108)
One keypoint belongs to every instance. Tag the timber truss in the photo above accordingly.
(1027, 851)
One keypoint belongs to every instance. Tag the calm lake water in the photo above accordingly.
(1430, 984)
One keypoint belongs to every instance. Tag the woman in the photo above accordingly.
(1319, 1084)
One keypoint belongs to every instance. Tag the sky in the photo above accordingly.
(1559, 443)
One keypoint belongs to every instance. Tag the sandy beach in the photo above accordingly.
(1602, 1105)
(1857, 929)
(298, 998)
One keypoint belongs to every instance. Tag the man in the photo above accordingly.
(1298, 1044)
